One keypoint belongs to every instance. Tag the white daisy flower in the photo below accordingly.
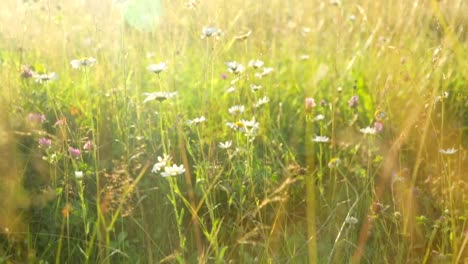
(321, 139)
(231, 89)
(158, 67)
(211, 32)
(319, 117)
(236, 110)
(261, 102)
(79, 174)
(449, 151)
(162, 162)
(255, 87)
(235, 67)
(351, 220)
(256, 64)
(266, 71)
(196, 121)
(159, 96)
(225, 145)
(173, 171)
(368, 130)
(44, 77)
(83, 62)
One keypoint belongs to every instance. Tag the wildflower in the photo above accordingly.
(157, 68)
(255, 87)
(266, 71)
(261, 102)
(83, 62)
(235, 67)
(323, 102)
(173, 171)
(74, 152)
(45, 142)
(378, 126)
(196, 121)
(236, 110)
(60, 122)
(354, 101)
(319, 117)
(66, 210)
(304, 57)
(368, 130)
(162, 162)
(449, 151)
(159, 96)
(44, 77)
(333, 163)
(211, 32)
(231, 89)
(351, 220)
(224, 76)
(321, 139)
(79, 174)
(27, 71)
(226, 144)
(88, 145)
(255, 64)
(309, 104)
(249, 127)
(36, 118)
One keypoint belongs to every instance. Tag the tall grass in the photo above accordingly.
(356, 155)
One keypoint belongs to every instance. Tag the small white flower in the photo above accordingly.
(196, 121)
(256, 64)
(211, 32)
(319, 117)
(368, 130)
(304, 57)
(225, 145)
(162, 162)
(173, 171)
(321, 139)
(266, 71)
(44, 77)
(261, 102)
(158, 67)
(79, 174)
(231, 89)
(159, 96)
(351, 220)
(449, 151)
(236, 110)
(255, 87)
(235, 67)
(248, 127)
(83, 62)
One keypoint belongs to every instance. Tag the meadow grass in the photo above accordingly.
(345, 143)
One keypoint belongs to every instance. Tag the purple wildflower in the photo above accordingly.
(354, 101)
(309, 104)
(74, 152)
(88, 145)
(45, 142)
(378, 127)
(36, 117)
